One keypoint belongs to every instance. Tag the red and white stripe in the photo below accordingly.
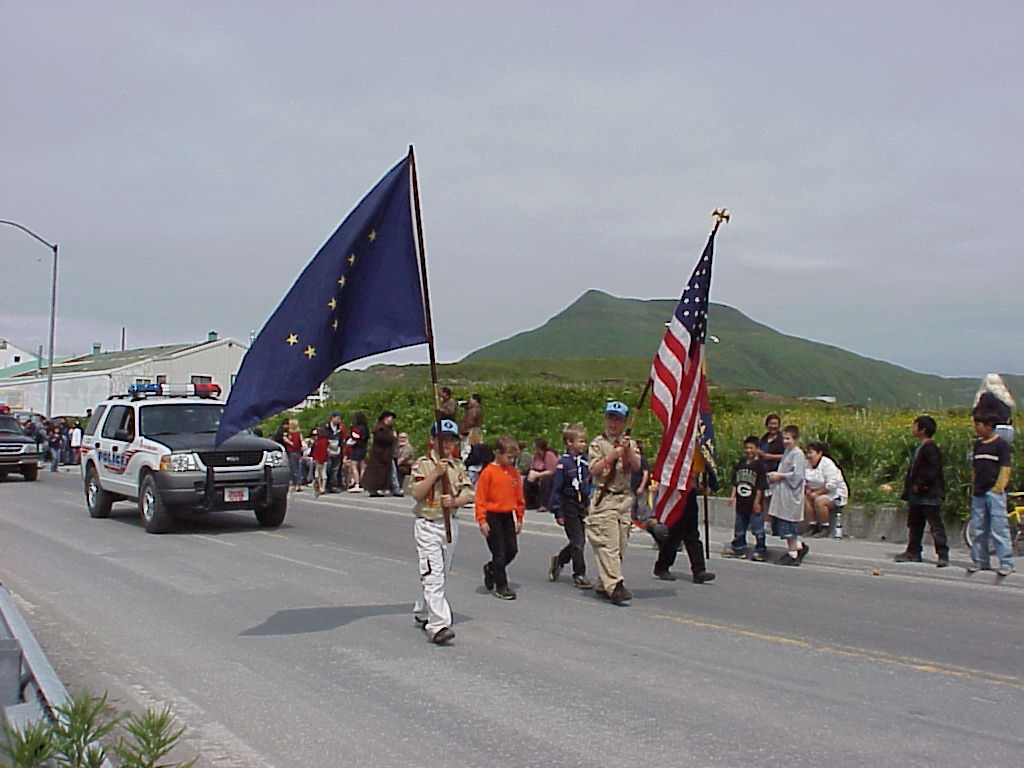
(677, 378)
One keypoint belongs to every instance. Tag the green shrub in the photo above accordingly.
(87, 730)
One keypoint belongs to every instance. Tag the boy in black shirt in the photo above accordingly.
(924, 489)
(989, 477)
(749, 481)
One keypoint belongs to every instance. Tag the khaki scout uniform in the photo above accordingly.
(609, 519)
(433, 549)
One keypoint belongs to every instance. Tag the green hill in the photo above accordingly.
(748, 355)
(603, 339)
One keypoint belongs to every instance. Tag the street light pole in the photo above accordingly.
(53, 311)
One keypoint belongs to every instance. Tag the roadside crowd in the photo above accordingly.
(599, 490)
(596, 492)
(61, 438)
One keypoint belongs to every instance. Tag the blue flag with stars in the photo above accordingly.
(360, 295)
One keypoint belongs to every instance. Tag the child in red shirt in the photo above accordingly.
(320, 459)
(499, 513)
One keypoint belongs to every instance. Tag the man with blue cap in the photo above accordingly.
(440, 485)
(613, 456)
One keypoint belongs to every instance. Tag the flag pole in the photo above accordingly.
(720, 214)
(429, 324)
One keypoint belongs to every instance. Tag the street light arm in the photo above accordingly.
(26, 230)
(53, 310)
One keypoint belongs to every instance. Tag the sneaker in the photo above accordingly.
(420, 622)
(942, 562)
(703, 577)
(665, 575)
(803, 552)
(506, 594)
(733, 553)
(375, 495)
(1005, 570)
(620, 594)
(398, 495)
(555, 570)
(359, 489)
(975, 567)
(488, 577)
(581, 582)
(823, 532)
(787, 559)
(813, 529)
(759, 557)
(443, 635)
(907, 557)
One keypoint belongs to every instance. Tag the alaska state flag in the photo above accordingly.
(360, 295)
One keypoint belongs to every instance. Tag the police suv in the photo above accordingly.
(155, 446)
(18, 451)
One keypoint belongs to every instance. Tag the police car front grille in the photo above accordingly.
(231, 458)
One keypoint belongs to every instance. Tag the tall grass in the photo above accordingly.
(871, 446)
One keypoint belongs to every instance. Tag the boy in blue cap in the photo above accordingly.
(613, 457)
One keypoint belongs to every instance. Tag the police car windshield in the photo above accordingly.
(179, 418)
(10, 424)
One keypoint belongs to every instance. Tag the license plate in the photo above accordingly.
(236, 494)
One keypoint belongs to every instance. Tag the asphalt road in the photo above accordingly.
(296, 647)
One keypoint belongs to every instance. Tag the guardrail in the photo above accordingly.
(30, 689)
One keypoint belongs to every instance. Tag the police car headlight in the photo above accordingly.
(179, 462)
(275, 458)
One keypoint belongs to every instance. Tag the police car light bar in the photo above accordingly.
(175, 390)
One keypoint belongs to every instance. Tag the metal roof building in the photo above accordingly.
(81, 382)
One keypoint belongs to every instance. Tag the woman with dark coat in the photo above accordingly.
(380, 465)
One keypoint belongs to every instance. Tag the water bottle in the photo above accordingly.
(837, 529)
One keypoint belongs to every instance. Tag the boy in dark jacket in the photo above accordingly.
(924, 490)
(570, 498)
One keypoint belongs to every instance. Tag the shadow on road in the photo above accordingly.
(299, 621)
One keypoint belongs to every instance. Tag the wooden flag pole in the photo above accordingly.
(428, 319)
(720, 214)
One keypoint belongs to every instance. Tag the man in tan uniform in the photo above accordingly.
(432, 612)
(613, 456)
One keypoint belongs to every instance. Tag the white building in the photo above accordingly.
(11, 355)
(79, 383)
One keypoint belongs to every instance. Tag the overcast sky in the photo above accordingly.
(191, 157)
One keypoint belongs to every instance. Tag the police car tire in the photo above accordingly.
(30, 473)
(3, 476)
(101, 500)
(272, 515)
(155, 516)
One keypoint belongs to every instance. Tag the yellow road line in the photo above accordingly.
(862, 654)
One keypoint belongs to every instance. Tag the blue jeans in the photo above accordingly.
(988, 518)
(294, 460)
(755, 523)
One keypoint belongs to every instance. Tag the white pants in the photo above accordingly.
(435, 560)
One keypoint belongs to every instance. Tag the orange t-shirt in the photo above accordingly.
(499, 489)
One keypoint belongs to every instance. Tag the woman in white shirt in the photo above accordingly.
(825, 489)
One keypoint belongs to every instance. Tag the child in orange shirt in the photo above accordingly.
(499, 513)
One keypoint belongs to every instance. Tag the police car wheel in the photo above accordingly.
(97, 500)
(30, 473)
(272, 515)
(3, 476)
(155, 516)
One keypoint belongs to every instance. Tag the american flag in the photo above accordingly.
(679, 386)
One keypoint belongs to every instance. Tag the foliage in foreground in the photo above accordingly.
(871, 445)
(88, 730)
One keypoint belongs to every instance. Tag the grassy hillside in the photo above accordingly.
(749, 355)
